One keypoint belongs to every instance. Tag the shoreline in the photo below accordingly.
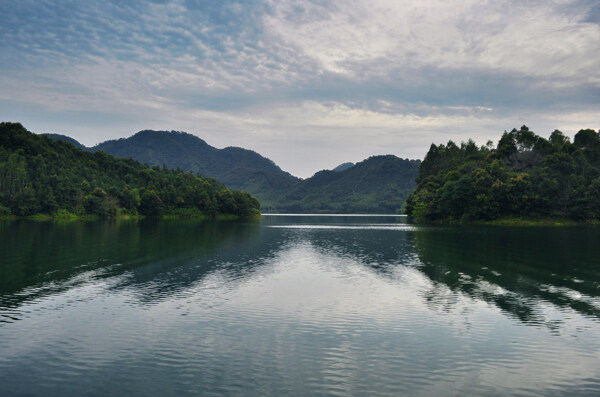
(87, 218)
(555, 222)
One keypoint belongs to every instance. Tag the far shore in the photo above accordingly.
(74, 217)
(518, 222)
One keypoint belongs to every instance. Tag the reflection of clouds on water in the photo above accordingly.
(506, 267)
(154, 259)
(305, 311)
(513, 268)
(157, 261)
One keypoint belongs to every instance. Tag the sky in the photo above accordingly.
(308, 84)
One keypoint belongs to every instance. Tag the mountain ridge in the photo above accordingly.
(377, 184)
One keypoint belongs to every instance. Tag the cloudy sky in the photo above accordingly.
(309, 84)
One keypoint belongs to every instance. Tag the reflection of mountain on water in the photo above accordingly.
(519, 270)
(381, 242)
(153, 258)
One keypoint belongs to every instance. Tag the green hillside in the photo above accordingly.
(40, 175)
(524, 176)
(379, 184)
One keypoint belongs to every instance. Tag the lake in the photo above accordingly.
(300, 306)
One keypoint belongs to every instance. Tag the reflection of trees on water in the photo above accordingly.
(517, 269)
(155, 258)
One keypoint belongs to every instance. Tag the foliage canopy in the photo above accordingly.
(525, 176)
(42, 175)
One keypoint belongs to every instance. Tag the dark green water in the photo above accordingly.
(312, 305)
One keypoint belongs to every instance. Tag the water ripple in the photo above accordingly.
(328, 309)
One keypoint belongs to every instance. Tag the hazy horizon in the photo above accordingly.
(307, 84)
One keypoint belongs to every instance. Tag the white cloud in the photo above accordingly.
(304, 137)
(533, 40)
(308, 84)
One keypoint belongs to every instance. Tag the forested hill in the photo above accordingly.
(235, 167)
(379, 184)
(524, 176)
(376, 185)
(41, 175)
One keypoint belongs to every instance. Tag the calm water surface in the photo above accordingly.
(298, 305)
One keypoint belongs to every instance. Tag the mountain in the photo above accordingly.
(235, 167)
(41, 175)
(64, 138)
(343, 167)
(379, 184)
(376, 185)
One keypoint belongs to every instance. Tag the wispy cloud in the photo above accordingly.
(529, 38)
(307, 83)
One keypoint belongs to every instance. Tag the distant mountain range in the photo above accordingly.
(379, 184)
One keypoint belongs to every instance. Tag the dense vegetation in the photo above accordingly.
(379, 184)
(524, 176)
(42, 175)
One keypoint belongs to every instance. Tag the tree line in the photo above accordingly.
(41, 176)
(524, 176)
